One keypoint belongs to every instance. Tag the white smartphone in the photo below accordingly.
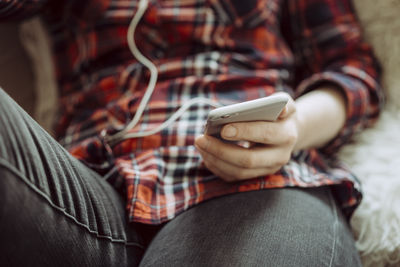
(261, 109)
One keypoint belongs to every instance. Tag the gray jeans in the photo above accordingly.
(54, 211)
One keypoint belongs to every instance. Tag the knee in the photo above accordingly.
(5, 123)
(5, 108)
(4, 98)
(13, 131)
(12, 116)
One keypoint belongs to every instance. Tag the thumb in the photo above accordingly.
(287, 110)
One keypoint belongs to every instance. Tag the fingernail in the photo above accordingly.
(229, 131)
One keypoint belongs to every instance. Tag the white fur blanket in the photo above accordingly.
(375, 157)
(376, 223)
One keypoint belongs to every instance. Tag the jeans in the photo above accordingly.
(55, 211)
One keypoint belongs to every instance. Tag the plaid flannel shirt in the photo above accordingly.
(226, 50)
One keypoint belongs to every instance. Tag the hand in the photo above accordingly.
(271, 146)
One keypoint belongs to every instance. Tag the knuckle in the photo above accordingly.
(266, 134)
(291, 134)
(219, 153)
(292, 137)
(244, 131)
(248, 131)
(247, 161)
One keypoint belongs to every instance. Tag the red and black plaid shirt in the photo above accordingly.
(225, 50)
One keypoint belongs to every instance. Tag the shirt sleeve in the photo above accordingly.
(19, 9)
(327, 43)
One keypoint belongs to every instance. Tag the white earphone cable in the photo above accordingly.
(123, 134)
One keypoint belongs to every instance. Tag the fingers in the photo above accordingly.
(279, 132)
(271, 133)
(231, 173)
(233, 156)
(274, 142)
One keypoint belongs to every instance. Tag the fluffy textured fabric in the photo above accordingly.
(374, 156)
(376, 223)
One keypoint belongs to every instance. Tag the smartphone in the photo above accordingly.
(261, 109)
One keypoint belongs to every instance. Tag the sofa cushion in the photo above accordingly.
(381, 24)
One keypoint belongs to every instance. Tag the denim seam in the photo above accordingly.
(335, 227)
(7, 166)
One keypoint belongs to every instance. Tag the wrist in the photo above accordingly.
(300, 124)
(320, 116)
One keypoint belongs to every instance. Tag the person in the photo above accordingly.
(112, 191)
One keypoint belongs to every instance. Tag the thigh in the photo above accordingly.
(278, 227)
(54, 211)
